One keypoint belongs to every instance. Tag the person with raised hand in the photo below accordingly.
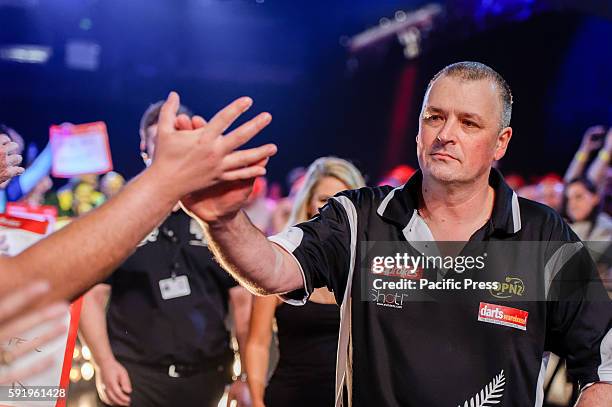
(90, 248)
(591, 141)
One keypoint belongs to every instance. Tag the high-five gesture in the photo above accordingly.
(202, 157)
(184, 161)
(220, 200)
(225, 198)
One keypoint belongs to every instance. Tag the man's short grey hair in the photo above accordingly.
(474, 71)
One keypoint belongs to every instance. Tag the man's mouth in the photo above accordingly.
(443, 156)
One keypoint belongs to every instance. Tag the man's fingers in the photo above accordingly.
(112, 396)
(22, 324)
(263, 162)
(14, 171)
(198, 122)
(57, 330)
(124, 382)
(243, 174)
(13, 159)
(14, 303)
(10, 147)
(27, 372)
(118, 395)
(183, 122)
(226, 116)
(167, 113)
(246, 158)
(246, 132)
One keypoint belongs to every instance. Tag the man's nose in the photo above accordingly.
(447, 133)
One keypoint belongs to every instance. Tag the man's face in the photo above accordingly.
(459, 135)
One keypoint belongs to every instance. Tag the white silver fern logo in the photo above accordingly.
(489, 395)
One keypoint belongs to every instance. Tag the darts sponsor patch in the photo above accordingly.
(501, 315)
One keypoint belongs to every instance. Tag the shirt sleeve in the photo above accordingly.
(322, 250)
(225, 279)
(579, 317)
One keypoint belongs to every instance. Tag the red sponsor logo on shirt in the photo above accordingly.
(500, 315)
(410, 273)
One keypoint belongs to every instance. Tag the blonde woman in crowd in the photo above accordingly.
(307, 335)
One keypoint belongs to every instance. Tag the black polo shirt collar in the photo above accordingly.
(400, 205)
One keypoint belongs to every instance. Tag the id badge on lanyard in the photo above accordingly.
(174, 287)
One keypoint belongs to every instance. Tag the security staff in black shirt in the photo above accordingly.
(163, 339)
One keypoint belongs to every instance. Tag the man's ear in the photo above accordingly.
(503, 139)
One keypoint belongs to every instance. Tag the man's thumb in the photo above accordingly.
(124, 382)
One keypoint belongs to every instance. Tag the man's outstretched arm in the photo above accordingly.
(310, 255)
(86, 251)
(260, 265)
(302, 258)
(598, 394)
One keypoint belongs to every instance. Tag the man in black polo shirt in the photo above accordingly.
(442, 345)
(163, 339)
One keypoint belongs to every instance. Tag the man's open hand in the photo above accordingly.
(193, 159)
(223, 199)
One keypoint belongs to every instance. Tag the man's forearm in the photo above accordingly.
(258, 264)
(92, 326)
(596, 395)
(87, 250)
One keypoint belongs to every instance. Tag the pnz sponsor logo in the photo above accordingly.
(511, 286)
(501, 315)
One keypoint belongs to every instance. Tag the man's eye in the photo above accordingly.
(433, 117)
(470, 123)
